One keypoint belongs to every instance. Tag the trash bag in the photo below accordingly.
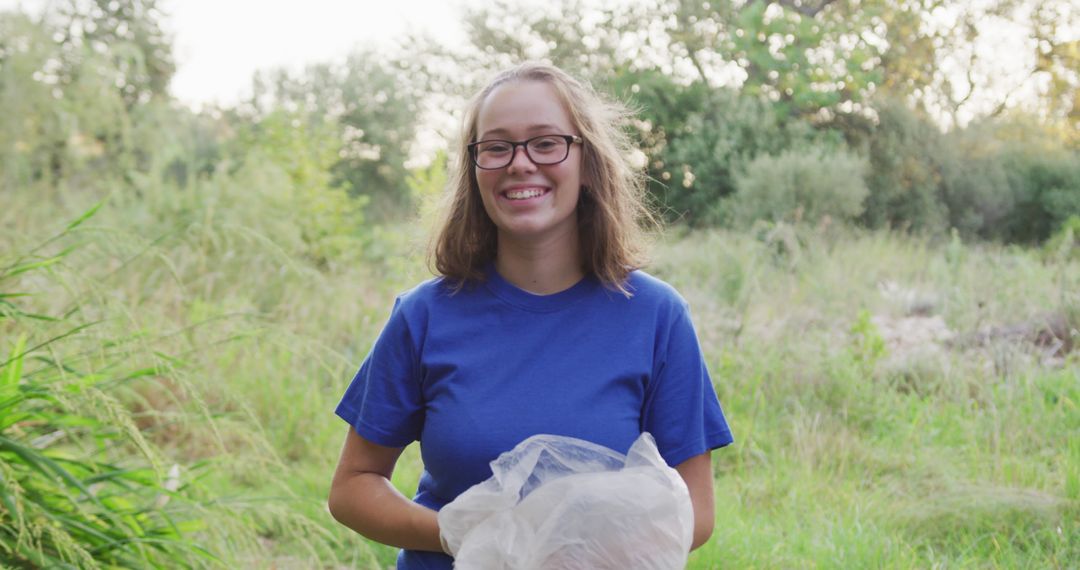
(557, 502)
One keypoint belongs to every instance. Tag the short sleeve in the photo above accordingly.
(682, 411)
(384, 402)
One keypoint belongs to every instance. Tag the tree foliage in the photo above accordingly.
(717, 85)
(698, 137)
(79, 85)
(374, 110)
(129, 32)
(720, 83)
(905, 175)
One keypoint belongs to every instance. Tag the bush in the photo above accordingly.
(1009, 179)
(810, 184)
(905, 152)
(286, 162)
(1046, 190)
(693, 156)
(975, 186)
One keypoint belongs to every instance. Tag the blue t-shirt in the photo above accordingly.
(472, 374)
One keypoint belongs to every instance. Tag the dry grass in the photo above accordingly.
(849, 451)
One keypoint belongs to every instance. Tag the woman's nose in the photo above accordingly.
(520, 161)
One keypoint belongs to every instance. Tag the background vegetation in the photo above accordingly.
(879, 245)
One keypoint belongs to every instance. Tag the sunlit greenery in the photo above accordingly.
(885, 276)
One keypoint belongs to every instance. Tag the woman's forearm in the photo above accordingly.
(697, 474)
(369, 504)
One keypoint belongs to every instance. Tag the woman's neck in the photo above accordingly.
(542, 267)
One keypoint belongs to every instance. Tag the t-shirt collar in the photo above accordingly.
(516, 296)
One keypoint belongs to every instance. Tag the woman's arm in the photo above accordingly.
(363, 499)
(698, 475)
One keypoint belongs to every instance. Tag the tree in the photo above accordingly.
(64, 115)
(130, 32)
(375, 110)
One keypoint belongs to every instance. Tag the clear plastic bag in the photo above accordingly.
(557, 502)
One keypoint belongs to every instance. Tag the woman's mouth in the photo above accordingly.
(525, 193)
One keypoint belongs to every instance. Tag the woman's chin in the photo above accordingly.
(531, 229)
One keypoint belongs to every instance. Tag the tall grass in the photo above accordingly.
(226, 344)
(853, 452)
(171, 365)
(79, 483)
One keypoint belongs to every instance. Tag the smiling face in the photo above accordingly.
(524, 200)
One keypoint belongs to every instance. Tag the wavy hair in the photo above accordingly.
(612, 212)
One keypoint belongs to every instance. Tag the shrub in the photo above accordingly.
(1009, 179)
(975, 184)
(286, 160)
(905, 151)
(811, 184)
(694, 155)
(1046, 189)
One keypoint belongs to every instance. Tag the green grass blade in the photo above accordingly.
(50, 341)
(85, 216)
(13, 367)
(19, 267)
(47, 466)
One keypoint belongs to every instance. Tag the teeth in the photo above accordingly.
(523, 194)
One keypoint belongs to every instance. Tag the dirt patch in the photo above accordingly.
(1051, 333)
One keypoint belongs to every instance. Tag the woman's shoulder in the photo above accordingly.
(425, 292)
(649, 288)
(437, 291)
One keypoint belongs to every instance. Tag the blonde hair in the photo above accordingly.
(612, 215)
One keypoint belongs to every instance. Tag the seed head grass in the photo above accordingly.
(198, 328)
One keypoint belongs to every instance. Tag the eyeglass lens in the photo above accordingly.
(541, 150)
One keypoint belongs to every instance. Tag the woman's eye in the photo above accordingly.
(495, 148)
(545, 144)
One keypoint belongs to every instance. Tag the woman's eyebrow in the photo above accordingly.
(529, 129)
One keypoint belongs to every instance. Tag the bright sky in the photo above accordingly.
(219, 44)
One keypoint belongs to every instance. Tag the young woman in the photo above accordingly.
(539, 323)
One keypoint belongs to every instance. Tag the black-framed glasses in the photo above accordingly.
(543, 150)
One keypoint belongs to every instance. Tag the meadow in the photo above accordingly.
(178, 354)
(186, 292)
